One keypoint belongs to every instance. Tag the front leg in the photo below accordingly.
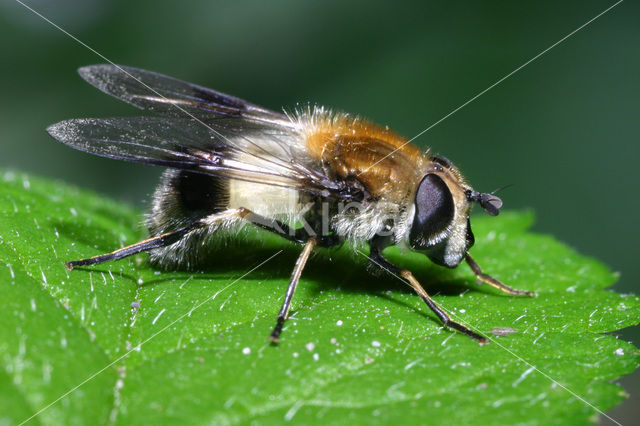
(377, 258)
(488, 279)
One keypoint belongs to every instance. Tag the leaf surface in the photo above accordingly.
(358, 348)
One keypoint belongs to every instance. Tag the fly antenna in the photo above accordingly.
(501, 188)
(489, 202)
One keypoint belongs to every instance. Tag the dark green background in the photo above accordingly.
(563, 130)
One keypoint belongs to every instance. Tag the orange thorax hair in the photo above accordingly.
(350, 147)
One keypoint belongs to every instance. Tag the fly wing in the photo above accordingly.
(204, 131)
(165, 95)
(234, 148)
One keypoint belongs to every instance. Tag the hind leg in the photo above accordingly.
(159, 241)
(166, 239)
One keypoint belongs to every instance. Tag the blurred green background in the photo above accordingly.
(563, 130)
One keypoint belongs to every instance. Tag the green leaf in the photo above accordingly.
(358, 348)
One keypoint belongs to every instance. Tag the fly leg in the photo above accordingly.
(299, 235)
(441, 313)
(159, 241)
(488, 279)
(168, 238)
(376, 257)
(295, 278)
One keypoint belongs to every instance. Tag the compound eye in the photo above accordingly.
(434, 210)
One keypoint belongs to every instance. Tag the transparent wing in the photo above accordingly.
(165, 95)
(234, 148)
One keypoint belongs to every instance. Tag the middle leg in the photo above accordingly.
(295, 278)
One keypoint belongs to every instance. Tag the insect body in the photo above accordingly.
(315, 177)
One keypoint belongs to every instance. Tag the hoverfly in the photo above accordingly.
(231, 163)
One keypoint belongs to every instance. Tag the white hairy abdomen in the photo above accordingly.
(265, 200)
